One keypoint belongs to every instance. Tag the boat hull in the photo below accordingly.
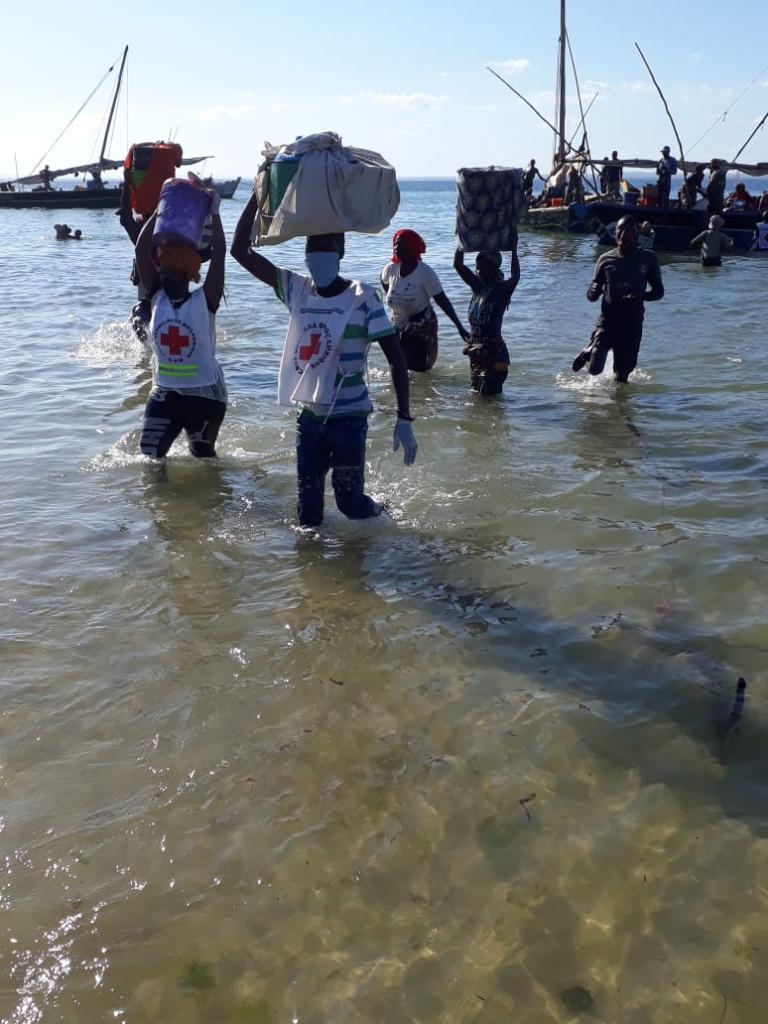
(675, 228)
(570, 218)
(62, 199)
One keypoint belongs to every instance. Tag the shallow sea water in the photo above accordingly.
(460, 765)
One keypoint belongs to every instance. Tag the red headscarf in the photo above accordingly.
(414, 244)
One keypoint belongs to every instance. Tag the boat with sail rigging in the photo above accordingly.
(94, 194)
(585, 209)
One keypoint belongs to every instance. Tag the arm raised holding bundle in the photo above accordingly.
(214, 278)
(145, 264)
(253, 262)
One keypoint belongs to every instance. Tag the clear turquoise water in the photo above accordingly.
(249, 775)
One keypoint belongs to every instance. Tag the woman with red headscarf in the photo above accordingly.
(409, 286)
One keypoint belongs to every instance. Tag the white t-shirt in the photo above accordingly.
(406, 296)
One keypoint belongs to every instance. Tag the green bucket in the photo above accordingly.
(281, 172)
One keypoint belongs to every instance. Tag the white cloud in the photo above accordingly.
(513, 66)
(405, 100)
(480, 107)
(694, 58)
(241, 110)
(639, 86)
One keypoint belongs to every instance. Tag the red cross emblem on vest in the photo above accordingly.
(307, 351)
(174, 341)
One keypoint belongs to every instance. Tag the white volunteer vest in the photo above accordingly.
(313, 345)
(183, 342)
(762, 236)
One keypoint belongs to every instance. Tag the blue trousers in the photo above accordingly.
(338, 445)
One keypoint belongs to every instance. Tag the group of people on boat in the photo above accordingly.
(333, 320)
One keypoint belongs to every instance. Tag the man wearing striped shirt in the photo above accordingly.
(332, 434)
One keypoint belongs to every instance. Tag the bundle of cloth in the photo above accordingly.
(336, 188)
(490, 203)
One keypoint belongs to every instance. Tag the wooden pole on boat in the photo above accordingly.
(561, 85)
(754, 133)
(666, 105)
(114, 104)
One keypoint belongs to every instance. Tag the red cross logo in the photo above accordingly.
(174, 341)
(307, 351)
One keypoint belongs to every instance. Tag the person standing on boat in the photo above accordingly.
(626, 277)
(491, 295)
(188, 390)
(612, 174)
(715, 191)
(324, 369)
(665, 168)
(713, 243)
(530, 174)
(575, 189)
(408, 285)
(47, 177)
(693, 186)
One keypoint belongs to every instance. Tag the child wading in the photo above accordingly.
(323, 370)
(188, 391)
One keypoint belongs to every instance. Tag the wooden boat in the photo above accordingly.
(94, 195)
(674, 225)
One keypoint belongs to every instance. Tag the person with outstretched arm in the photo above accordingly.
(323, 371)
(626, 277)
(188, 389)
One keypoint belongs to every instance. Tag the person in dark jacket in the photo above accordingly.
(664, 178)
(626, 277)
(715, 191)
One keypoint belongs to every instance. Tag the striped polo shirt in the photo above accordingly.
(367, 323)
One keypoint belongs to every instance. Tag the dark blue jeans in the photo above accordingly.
(338, 445)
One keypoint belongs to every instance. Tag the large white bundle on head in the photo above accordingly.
(335, 188)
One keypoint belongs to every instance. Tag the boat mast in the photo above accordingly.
(114, 104)
(560, 147)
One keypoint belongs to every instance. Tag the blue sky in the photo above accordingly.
(406, 79)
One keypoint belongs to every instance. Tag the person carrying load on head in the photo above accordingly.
(491, 295)
(408, 285)
(323, 371)
(188, 389)
(713, 243)
(132, 225)
(621, 278)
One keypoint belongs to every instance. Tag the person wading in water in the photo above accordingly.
(491, 295)
(409, 284)
(621, 278)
